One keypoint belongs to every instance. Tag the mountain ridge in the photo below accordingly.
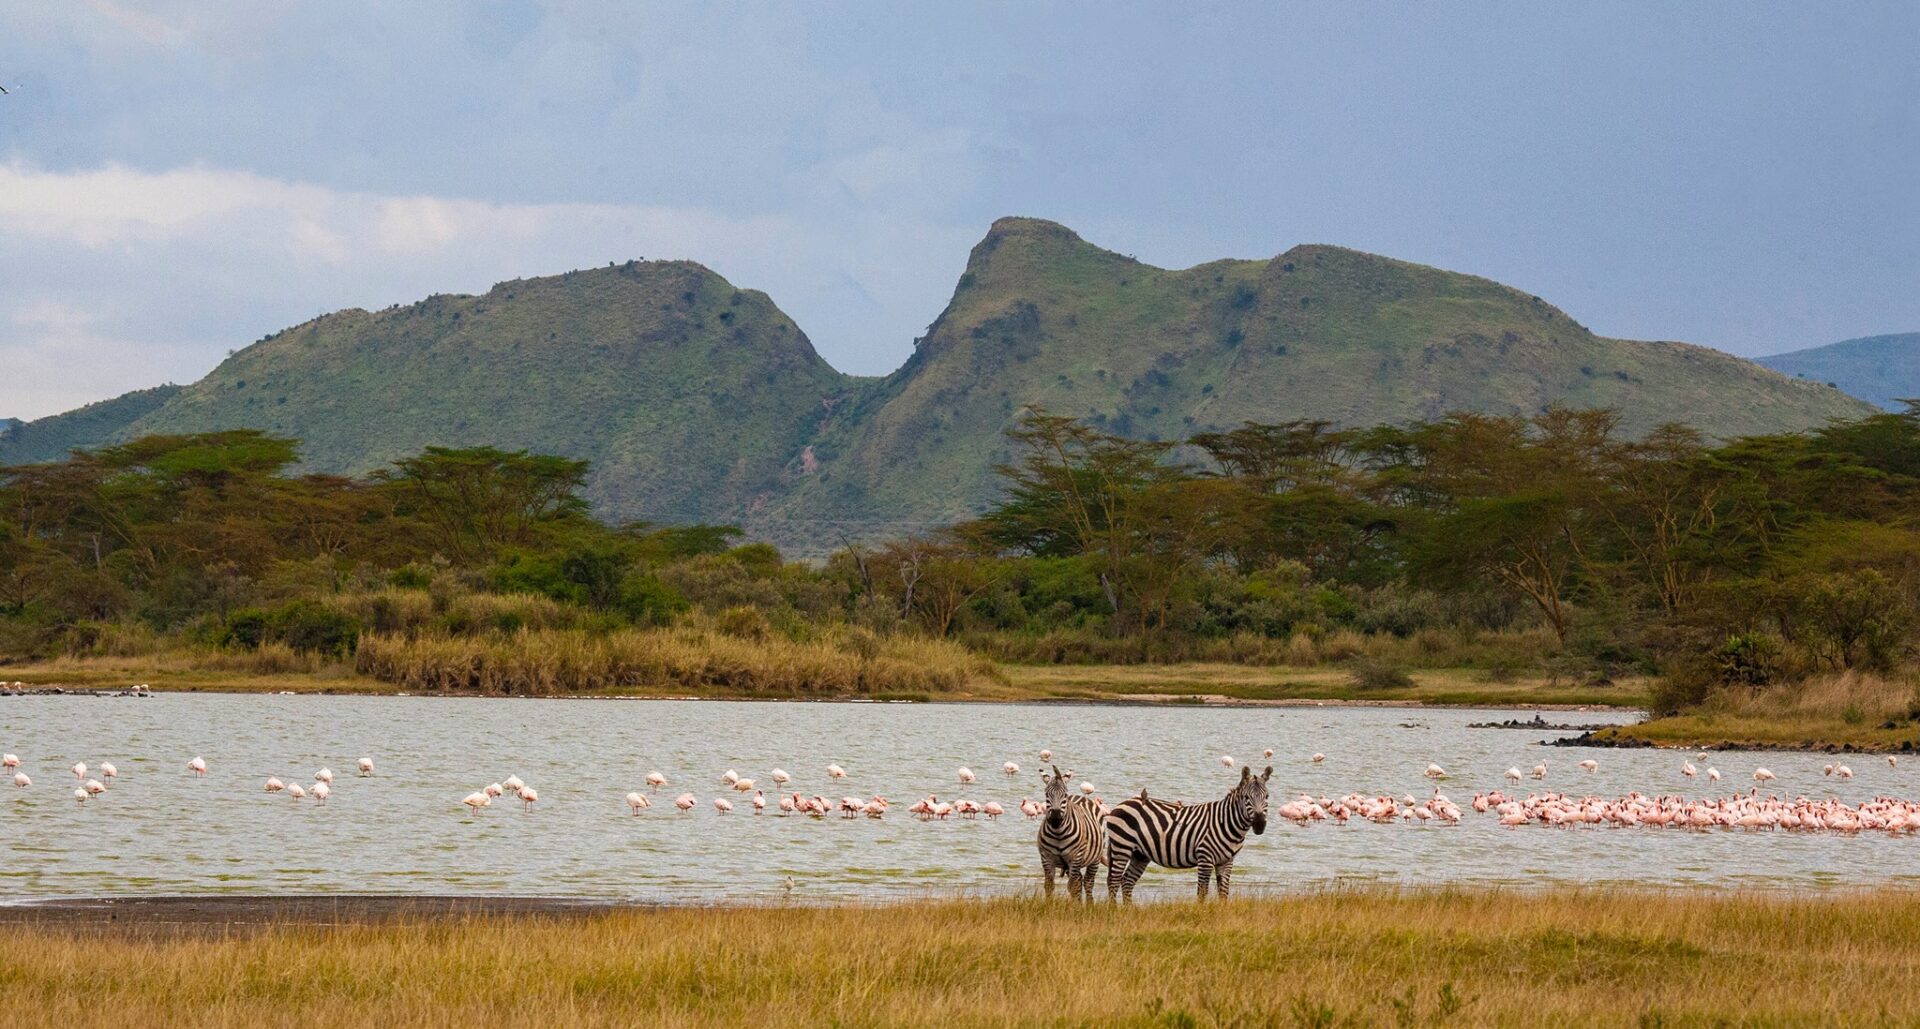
(1882, 370)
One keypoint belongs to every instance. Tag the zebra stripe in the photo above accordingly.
(1071, 838)
(1207, 837)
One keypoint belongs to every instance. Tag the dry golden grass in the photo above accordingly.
(685, 658)
(1449, 686)
(1868, 712)
(1346, 958)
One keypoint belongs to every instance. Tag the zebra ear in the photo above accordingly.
(1268, 774)
(1246, 772)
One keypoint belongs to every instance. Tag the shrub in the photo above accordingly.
(1374, 674)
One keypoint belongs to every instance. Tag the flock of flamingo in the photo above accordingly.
(1546, 807)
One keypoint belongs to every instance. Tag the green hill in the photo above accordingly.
(688, 395)
(1882, 370)
(53, 437)
(697, 400)
(1043, 318)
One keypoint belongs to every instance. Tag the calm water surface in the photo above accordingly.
(160, 830)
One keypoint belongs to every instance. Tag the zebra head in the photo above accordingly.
(1249, 798)
(1056, 796)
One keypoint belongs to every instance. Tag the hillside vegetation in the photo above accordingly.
(1881, 369)
(694, 400)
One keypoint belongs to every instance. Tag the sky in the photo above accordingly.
(179, 179)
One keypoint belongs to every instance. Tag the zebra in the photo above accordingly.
(1071, 839)
(1204, 836)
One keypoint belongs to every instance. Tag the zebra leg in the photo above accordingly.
(1136, 868)
(1074, 884)
(1116, 871)
(1046, 865)
(1222, 875)
(1203, 871)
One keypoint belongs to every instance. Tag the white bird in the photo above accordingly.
(1540, 770)
(274, 785)
(1843, 772)
(723, 805)
(685, 802)
(1892, 761)
(1046, 755)
(366, 766)
(20, 779)
(966, 776)
(1688, 770)
(655, 780)
(1826, 769)
(321, 791)
(1087, 788)
(96, 787)
(1435, 772)
(638, 801)
(780, 777)
(80, 770)
(742, 785)
(80, 795)
(1226, 760)
(1713, 774)
(1317, 758)
(493, 789)
(1011, 769)
(1513, 774)
(759, 801)
(9, 761)
(474, 801)
(296, 791)
(513, 783)
(730, 777)
(107, 771)
(527, 796)
(198, 765)
(1590, 765)
(836, 772)
(1762, 775)
(323, 775)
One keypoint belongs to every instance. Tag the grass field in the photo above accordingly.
(1860, 711)
(1598, 957)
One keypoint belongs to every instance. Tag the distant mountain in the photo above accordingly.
(1879, 369)
(53, 437)
(698, 400)
(8, 423)
(1041, 317)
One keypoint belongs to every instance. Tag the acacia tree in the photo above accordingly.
(477, 501)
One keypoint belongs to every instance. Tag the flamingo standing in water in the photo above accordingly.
(80, 795)
(780, 777)
(637, 801)
(198, 765)
(993, 809)
(966, 776)
(321, 791)
(9, 761)
(1011, 769)
(296, 791)
(474, 801)
(107, 771)
(513, 783)
(759, 801)
(95, 787)
(723, 805)
(324, 775)
(1317, 758)
(80, 770)
(20, 779)
(655, 780)
(685, 802)
(1713, 775)
(274, 785)
(528, 796)
(1046, 755)
(1226, 760)
(366, 766)
(836, 772)
(1590, 765)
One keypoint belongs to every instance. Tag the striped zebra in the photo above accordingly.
(1203, 836)
(1071, 839)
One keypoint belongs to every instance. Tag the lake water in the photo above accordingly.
(161, 830)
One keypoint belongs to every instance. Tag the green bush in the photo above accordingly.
(1374, 674)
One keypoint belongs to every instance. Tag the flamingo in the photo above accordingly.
(966, 776)
(1826, 769)
(323, 775)
(10, 761)
(780, 777)
(95, 787)
(474, 801)
(636, 801)
(513, 783)
(993, 809)
(1513, 774)
(759, 801)
(198, 765)
(20, 779)
(80, 770)
(1713, 775)
(1267, 753)
(1590, 765)
(1226, 760)
(729, 777)
(1318, 758)
(1762, 775)
(742, 785)
(493, 790)
(366, 766)
(685, 802)
(296, 792)
(1892, 761)
(274, 785)
(836, 772)
(1540, 770)
(788, 803)
(655, 780)
(1435, 772)
(1086, 788)
(723, 805)
(1030, 808)
(527, 796)
(321, 791)
(1688, 770)
(1011, 769)
(1046, 755)
(1843, 772)
(107, 771)
(80, 795)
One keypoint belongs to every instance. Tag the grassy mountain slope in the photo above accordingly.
(1879, 369)
(52, 437)
(1043, 318)
(688, 395)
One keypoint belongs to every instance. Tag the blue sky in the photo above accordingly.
(178, 179)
